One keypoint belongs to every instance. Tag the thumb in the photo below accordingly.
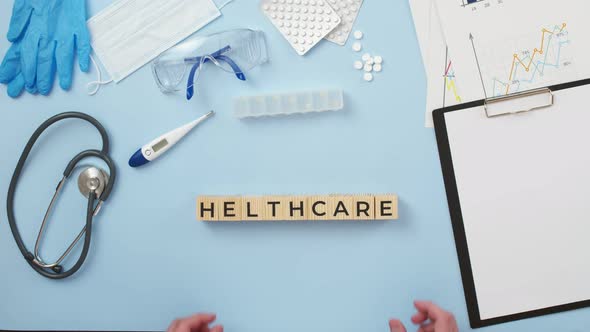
(21, 13)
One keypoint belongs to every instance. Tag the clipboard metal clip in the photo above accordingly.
(519, 102)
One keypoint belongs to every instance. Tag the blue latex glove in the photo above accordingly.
(35, 22)
(50, 30)
(21, 13)
(10, 71)
(72, 33)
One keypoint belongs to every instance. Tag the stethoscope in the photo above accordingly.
(94, 183)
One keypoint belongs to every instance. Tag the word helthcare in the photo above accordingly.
(278, 208)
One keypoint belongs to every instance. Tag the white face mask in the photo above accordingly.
(130, 33)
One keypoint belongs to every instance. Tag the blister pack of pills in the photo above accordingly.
(304, 23)
(348, 10)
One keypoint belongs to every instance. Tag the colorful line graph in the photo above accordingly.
(450, 82)
(529, 67)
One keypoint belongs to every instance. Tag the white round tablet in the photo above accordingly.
(368, 67)
(357, 47)
(378, 59)
(370, 61)
(366, 57)
(377, 67)
(368, 77)
(358, 65)
(358, 34)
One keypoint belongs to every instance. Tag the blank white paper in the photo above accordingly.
(524, 188)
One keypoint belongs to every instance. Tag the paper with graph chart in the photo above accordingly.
(443, 84)
(506, 46)
(442, 87)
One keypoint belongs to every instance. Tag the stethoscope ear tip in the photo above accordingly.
(57, 269)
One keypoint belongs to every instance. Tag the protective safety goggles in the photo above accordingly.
(233, 51)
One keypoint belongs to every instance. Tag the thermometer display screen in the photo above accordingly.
(158, 146)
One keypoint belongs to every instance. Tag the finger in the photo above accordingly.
(173, 326)
(84, 49)
(427, 328)
(16, 86)
(29, 58)
(64, 59)
(195, 322)
(46, 69)
(395, 325)
(216, 328)
(10, 66)
(419, 318)
(21, 14)
(430, 309)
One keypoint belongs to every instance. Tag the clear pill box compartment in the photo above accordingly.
(289, 103)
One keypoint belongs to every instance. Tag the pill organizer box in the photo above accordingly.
(289, 103)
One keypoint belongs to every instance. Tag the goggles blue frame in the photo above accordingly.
(215, 56)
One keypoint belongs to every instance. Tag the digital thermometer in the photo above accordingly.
(157, 147)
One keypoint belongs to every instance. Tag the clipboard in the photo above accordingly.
(515, 170)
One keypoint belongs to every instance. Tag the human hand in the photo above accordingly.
(430, 317)
(195, 323)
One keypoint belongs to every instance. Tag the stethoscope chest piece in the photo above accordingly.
(92, 180)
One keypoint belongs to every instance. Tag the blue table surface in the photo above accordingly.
(151, 261)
